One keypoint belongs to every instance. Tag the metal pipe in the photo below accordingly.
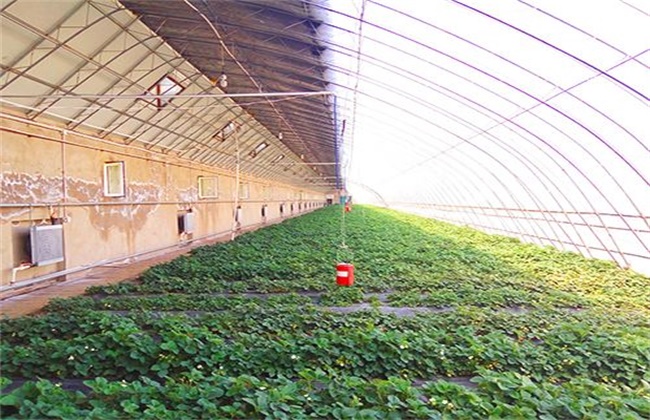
(305, 163)
(64, 179)
(21, 267)
(236, 213)
(136, 203)
(336, 144)
(180, 96)
(207, 168)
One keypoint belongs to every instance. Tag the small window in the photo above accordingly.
(267, 192)
(277, 159)
(114, 179)
(244, 191)
(225, 131)
(208, 187)
(258, 149)
(164, 90)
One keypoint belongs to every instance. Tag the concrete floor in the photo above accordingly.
(35, 300)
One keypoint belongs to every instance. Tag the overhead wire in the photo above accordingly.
(355, 90)
(521, 127)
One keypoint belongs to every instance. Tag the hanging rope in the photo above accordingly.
(235, 213)
(344, 252)
(343, 231)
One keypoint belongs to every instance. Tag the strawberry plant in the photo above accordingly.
(246, 329)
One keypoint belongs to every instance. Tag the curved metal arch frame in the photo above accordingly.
(538, 100)
(121, 113)
(524, 131)
(564, 157)
(621, 188)
(477, 175)
(620, 126)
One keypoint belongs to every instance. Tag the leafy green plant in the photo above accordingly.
(543, 333)
(342, 296)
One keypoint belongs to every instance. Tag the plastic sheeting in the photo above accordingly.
(525, 118)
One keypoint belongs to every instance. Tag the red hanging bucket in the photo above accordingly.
(344, 274)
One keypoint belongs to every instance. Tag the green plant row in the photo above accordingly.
(317, 395)
(202, 302)
(274, 320)
(177, 302)
(123, 350)
(544, 333)
(444, 263)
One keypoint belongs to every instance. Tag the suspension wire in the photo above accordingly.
(357, 73)
(236, 213)
(343, 246)
(343, 231)
(344, 252)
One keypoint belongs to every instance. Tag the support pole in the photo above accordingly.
(235, 214)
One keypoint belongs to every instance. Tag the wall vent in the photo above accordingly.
(186, 222)
(46, 244)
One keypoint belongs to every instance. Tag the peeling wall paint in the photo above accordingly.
(190, 194)
(100, 228)
(24, 189)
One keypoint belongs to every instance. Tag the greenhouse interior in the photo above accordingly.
(351, 209)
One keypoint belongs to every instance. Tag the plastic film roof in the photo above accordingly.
(521, 117)
(147, 74)
(526, 118)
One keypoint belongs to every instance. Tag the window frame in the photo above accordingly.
(107, 183)
(225, 132)
(258, 149)
(155, 89)
(244, 191)
(201, 188)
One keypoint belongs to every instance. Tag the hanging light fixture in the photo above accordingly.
(280, 135)
(223, 80)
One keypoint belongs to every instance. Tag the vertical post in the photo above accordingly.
(236, 199)
(64, 195)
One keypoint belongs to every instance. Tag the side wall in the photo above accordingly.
(48, 172)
